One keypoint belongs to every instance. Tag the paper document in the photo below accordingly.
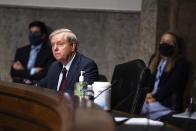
(119, 119)
(143, 121)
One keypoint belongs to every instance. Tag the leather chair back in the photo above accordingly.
(129, 86)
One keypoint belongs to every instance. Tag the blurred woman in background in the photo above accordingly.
(169, 72)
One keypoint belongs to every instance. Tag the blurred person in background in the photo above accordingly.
(31, 62)
(169, 72)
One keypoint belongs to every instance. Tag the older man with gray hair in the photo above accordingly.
(65, 72)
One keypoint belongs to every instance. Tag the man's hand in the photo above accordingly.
(149, 98)
(18, 66)
(28, 82)
(38, 69)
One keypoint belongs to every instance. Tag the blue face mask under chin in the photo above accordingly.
(34, 39)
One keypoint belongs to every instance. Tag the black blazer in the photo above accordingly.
(79, 63)
(172, 85)
(43, 60)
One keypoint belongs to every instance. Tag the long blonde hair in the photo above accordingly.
(171, 59)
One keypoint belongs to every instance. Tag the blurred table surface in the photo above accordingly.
(24, 107)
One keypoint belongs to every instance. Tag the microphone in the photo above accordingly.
(191, 110)
(191, 107)
(137, 92)
(116, 81)
(124, 99)
(148, 119)
(102, 92)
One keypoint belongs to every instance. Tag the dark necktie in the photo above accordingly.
(62, 86)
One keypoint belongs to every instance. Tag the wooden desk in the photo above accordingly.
(24, 107)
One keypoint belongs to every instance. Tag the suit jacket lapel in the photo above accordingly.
(25, 56)
(164, 76)
(56, 75)
(73, 70)
(40, 56)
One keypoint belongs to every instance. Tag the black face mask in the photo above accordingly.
(34, 39)
(166, 49)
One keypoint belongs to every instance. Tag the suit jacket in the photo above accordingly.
(172, 84)
(44, 59)
(79, 63)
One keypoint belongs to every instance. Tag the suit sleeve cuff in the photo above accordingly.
(32, 72)
(156, 97)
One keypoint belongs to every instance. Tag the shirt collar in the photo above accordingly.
(162, 64)
(69, 64)
(36, 47)
(163, 61)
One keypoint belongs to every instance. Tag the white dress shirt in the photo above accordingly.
(32, 58)
(61, 74)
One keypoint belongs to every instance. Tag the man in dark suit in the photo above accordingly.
(65, 72)
(32, 61)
